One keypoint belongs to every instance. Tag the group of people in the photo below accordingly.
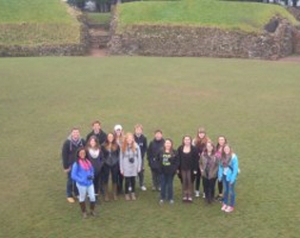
(90, 162)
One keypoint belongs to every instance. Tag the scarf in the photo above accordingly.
(94, 153)
(85, 164)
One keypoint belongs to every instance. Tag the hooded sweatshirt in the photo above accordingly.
(69, 150)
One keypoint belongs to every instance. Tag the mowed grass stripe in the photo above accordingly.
(254, 103)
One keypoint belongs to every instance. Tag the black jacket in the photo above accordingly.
(96, 162)
(69, 150)
(188, 161)
(100, 136)
(168, 162)
(142, 142)
(110, 158)
(155, 147)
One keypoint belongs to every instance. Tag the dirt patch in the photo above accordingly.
(97, 53)
(290, 59)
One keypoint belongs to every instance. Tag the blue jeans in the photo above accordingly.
(70, 188)
(229, 193)
(166, 186)
(83, 190)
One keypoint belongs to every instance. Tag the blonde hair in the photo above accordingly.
(125, 146)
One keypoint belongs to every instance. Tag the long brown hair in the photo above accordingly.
(200, 142)
(218, 145)
(125, 146)
(97, 146)
(113, 145)
(213, 150)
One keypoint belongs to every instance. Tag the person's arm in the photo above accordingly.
(74, 174)
(149, 153)
(121, 162)
(201, 165)
(145, 146)
(65, 156)
(235, 167)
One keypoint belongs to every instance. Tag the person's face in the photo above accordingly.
(118, 132)
(75, 134)
(187, 141)
(82, 154)
(96, 127)
(209, 147)
(221, 141)
(168, 145)
(92, 143)
(110, 138)
(138, 131)
(129, 140)
(158, 136)
(201, 135)
(227, 150)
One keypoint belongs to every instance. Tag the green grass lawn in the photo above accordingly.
(244, 16)
(256, 104)
(36, 22)
(98, 18)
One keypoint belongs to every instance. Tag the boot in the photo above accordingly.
(83, 210)
(92, 208)
(115, 192)
(133, 197)
(106, 194)
(127, 197)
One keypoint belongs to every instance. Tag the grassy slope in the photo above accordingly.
(244, 16)
(31, 22)
(256, 104)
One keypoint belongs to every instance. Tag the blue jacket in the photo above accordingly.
(80, 175)
(232, 171)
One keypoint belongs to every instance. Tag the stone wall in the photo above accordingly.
(159, 40)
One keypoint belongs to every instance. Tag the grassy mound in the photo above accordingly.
(35, 22)
(250, 17)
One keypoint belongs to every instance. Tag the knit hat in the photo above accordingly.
(118, 127)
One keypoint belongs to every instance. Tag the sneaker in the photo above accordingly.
(153, 188)
(127, 197)
(133, 197)
(84, 215)
(190, 199)
(70, 200)
(143, 188)
(197, 193)
(229, 209)
(158, 189)
(171, 202)
(203, 196)
(161, 202)
(184, 198)
(224, 207)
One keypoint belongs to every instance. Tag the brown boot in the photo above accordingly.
(106, 194)
(115, 192)
(127, 197)
(92, 208)
(133, 197)
(83, 210)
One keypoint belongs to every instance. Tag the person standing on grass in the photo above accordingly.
(111, 154)
(95, 156)
(141, 140)
(200, 143)
(228, 171)
(188, 165)
(168, 166)
(209, 170)
(98, 132)
(155, 147)
(83, 175)
(130, 164)
(70, 146)
(219, 150)
(119, 136)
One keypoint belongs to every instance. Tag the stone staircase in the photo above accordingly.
(99, 37)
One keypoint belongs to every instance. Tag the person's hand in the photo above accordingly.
(67, 170)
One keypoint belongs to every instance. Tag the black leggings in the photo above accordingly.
(129, 181)
(220, 187)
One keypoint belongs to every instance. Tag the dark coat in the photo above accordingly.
(155, 147)
(69, 150)
(101, 137)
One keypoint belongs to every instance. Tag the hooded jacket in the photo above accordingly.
(142, 143)
(232, 170)
(69, 150)
(155, 147)
(81, 176)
